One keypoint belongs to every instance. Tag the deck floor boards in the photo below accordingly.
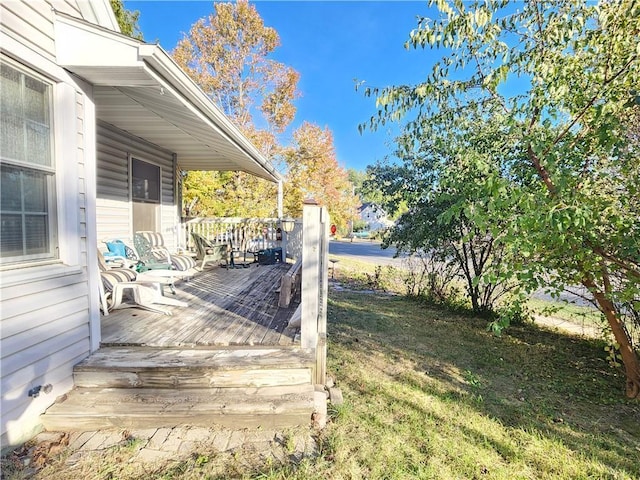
(226, 307)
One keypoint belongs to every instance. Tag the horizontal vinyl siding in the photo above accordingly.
(31, 24)
(44, 327)
(113, 204)
(70, 7)
(20, 419)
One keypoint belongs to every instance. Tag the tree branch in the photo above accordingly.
(634, 272)
(493, 94)
(542, 172)
(589, 104)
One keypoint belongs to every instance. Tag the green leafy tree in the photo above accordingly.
(444, 178)
(369, 192)
(127, 19)
(564, 77)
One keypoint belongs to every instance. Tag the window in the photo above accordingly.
(27, 197)
(145, 190)
(146, 181)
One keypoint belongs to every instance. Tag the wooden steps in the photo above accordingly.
(143, 387)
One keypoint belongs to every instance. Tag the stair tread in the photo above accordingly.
(141, 358)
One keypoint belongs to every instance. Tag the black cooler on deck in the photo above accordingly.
(269, 256)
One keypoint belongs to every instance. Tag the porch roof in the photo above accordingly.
(140, 89)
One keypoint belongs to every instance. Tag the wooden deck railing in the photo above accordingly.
(252, 233)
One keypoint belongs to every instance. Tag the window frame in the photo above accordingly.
(48, 171)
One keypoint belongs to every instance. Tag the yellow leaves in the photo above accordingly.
(227, 54)
(313, 170)
(444, 6)
(481, 16)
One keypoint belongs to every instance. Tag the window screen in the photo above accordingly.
(145, 181)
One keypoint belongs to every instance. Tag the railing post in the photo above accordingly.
(284, 243)
(315, 223)
(321, 351)
(280, 198)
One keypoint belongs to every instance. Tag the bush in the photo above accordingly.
(513, 311)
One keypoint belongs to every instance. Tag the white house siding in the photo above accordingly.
(114, 217)
(44, 328)
(375, 217)
(32, 23)
(46, 308)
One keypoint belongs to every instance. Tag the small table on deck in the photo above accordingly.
(163, 277)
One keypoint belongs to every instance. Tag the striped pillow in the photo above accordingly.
(154, 238)
(182, 262)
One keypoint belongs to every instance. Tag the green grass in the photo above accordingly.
(435, 396)
(429, 394)
(578, 314)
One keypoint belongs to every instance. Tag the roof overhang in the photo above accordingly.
(140, 89)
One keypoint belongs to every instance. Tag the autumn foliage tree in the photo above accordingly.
(228, 55)
(314, 172)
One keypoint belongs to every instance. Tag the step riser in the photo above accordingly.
(141, 358)
(86, 423)
(86, 409)
(184, 378)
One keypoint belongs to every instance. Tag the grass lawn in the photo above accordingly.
(429, 394)
(578, 314)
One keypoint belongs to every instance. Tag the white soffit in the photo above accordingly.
(140, 89)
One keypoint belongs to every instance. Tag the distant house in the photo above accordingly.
(374, 216)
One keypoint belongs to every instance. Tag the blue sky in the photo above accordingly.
(331, 44)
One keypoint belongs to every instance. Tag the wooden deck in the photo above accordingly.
(226, 308)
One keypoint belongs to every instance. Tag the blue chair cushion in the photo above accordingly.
(117, 247)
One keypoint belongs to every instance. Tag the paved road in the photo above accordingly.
(370, 251)
(573, 295)
(365, 251)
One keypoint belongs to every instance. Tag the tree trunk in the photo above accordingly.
(629, 357)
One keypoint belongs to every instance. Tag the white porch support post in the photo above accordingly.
(315, 225)
(93, 271)
(280, 199)
(321, 351)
